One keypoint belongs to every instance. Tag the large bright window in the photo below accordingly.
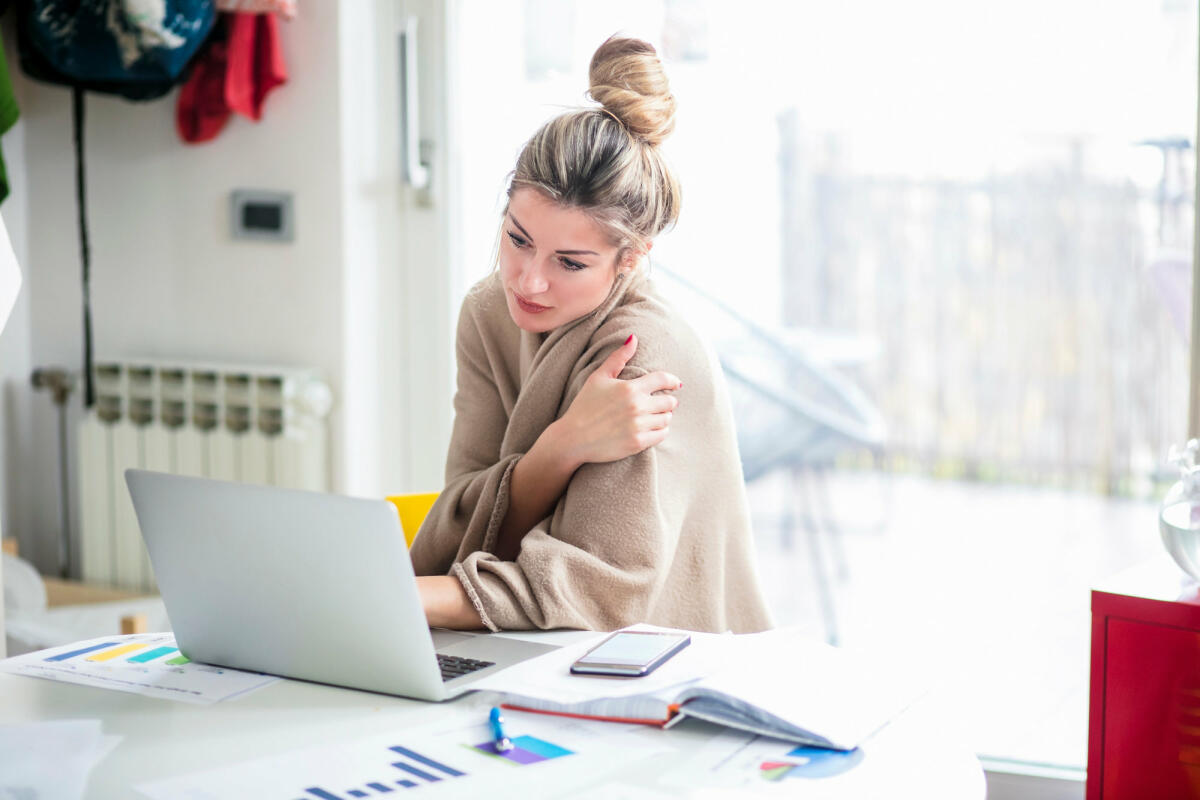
(943, 249)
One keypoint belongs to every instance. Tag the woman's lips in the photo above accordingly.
(528, 307)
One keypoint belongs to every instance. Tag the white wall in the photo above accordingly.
(16, 364)
(398, 372)
(167, 279)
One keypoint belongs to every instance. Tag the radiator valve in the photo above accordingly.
(58, 380)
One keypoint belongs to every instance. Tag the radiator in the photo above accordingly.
(231, 422)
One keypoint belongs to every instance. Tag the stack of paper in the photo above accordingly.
(453, 756)
(50, 760)
(777, 683)
(142, 663)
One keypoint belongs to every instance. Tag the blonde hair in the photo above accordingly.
(606, 161)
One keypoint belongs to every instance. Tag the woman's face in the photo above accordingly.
(556, 263)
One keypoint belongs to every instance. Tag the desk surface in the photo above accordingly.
(1158, 578)
(913, 756)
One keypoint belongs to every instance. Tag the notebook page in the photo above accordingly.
(837, 695)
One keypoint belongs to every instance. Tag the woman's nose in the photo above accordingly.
(533, 278)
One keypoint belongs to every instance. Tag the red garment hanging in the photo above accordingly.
(235, 74)
(255, 63)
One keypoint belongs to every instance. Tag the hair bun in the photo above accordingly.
(628, 79)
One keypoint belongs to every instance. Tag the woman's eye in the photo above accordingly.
(517, 240)
(572, 265)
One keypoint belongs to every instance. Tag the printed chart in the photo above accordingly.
(732, 759)
(903, 760)
(452, 756)
(811, 763)
(417, 769)
(142, 663)
(525, 750)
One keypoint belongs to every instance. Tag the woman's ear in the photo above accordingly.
(632, 257)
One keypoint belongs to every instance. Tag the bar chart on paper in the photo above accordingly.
(442, 758)
(341, 771)
(141, 663)
(414, 768)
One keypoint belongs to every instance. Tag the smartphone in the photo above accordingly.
(631, 654)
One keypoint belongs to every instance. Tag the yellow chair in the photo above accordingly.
(412, 509)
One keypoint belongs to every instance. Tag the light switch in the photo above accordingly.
(262, 215)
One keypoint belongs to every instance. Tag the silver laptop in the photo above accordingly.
(305, 585)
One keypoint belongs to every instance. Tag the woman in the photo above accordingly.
(586, 486)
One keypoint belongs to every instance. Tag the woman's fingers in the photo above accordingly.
(655, 422)
(651, 422)
(611, 419)
(648, 439)
(618, 358)
(657, 382)
(660, 403)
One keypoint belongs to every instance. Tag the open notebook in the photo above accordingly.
(778, 683)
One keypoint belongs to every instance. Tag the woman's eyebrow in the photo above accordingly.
(561, 252)
(520, 226)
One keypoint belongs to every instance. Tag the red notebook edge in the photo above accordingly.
(658, 723)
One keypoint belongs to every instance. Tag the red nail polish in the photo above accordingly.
(630, 339)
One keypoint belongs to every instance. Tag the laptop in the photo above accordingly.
(304, 585)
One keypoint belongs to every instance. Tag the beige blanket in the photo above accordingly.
(661, 537)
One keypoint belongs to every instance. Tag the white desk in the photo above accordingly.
(914, 756)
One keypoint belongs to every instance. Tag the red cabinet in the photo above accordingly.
(1144, 718)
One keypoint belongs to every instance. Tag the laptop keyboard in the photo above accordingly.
(456, 666)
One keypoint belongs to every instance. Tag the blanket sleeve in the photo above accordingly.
(598, 563)
(601, 560)
(467, 514)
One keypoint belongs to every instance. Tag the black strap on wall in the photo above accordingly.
(89, 392)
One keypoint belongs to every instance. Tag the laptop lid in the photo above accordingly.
(288, 582)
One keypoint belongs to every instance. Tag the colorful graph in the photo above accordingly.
(526, 750)
(111, 651)
(811, 762)
(81, 651)
(151, 655)
(426, 770)
(149, 664)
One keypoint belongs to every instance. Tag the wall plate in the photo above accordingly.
(262, 215)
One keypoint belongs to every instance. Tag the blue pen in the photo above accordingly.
(503, 743)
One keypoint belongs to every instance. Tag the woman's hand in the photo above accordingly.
(608, 420)
(446, 603)
(612, 418)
